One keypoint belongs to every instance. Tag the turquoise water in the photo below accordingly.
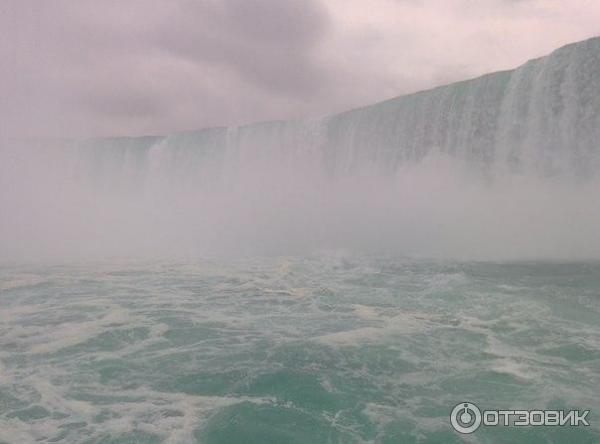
(319, 349)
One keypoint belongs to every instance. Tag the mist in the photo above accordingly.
(503, 166)
(59, 203)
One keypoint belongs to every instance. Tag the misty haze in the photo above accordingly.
(298, 222)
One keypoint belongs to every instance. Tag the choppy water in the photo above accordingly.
(321, 349)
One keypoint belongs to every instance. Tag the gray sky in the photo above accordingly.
(118, 67)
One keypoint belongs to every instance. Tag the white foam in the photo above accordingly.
(21, 280)
(352, 337)
(365, 311)
(398, 324)
(513, 368)
(74, 333)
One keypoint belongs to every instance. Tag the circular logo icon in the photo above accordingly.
(465, 417)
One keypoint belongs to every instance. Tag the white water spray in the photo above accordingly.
(502, 166)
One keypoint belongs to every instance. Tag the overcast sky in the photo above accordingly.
(132, 67)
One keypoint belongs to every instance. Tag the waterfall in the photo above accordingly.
(501, 166)
(541, 118)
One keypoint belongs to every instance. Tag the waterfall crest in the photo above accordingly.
(501, 166)
(541, 118)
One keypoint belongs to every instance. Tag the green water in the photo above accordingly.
(320, 349)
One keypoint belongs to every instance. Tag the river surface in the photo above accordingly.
(325, 348)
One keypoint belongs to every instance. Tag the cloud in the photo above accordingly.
(267, 42)
(156, 66)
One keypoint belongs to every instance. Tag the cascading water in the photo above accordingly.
(542, 117)
(496, 166)
(218, 318)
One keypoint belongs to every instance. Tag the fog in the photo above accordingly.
(372, 180)
(58, 205)
(502, 166)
